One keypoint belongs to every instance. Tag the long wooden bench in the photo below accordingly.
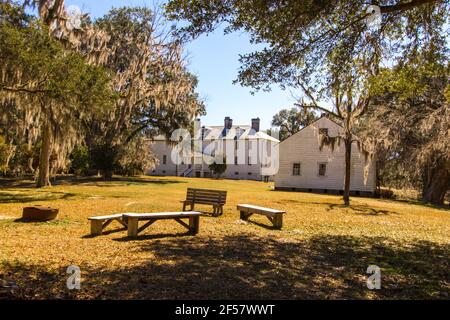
(134, 218)
(101, 222)
(275, 216)
(216, 198)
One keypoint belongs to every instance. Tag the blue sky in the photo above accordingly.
(214, 59)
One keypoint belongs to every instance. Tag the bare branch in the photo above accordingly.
(405, 6)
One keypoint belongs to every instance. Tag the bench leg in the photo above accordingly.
(132, 227)
(186, 204)
(96, 227)
(194, 225)
(278, 221)
(245, 215)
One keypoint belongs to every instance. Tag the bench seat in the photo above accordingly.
(274, 215)
(134, 218)
(99, 223)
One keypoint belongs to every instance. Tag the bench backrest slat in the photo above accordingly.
(206, 196)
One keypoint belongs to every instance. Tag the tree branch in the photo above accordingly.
(22, 89)
(405, 6)
(318, 108)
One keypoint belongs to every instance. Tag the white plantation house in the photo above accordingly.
(250, 153)
(305, 167)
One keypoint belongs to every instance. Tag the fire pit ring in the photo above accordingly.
(39, 213)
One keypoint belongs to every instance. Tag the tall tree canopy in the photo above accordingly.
(125, 68)
(156, 92)
(409, 119)
(45, 90)
(298, 35)
(291, 121)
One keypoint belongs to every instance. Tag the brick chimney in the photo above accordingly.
(228, 123)
(255, 124)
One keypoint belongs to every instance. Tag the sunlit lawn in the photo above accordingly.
(322, 251)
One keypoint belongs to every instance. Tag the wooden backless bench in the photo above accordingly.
(101, 222)
(134, 218)
(275, 216)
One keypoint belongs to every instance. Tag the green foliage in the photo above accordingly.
(46, 85)
(291, 121)
(156, 100)
(104, 157)
(3, 155)
(136, 158)
(51, 72)
(218, 167)
(299, 36)
(409, 121)
(79, 160)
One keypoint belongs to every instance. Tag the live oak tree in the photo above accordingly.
(327, 49)
(52, 89)
(291, 121)
(409, 119)
(156, 92)
(153, 90)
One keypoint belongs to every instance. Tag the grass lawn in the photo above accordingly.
(322, 252)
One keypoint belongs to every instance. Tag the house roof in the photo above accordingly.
(236, 132)
(311, 124)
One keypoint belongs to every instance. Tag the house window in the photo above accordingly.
(164, 159)
(235, 160)
(249, 173)
(296, 169)
(323, 131)
(322, 169)
(236, 173)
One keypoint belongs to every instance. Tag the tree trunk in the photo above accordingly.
(30, 154)
(436, 183)
(44, 159)
(107, 174)
(348, 162)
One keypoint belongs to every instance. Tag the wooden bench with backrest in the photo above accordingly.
(134, 218)
(216, 198)
(275, 216)
(101, 222)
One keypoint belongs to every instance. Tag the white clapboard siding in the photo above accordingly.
(304, 148)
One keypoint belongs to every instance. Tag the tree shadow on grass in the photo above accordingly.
(36, 196)
(88, 181)
(248, 267)
(115, 181)
(363, 210)
(360, 209)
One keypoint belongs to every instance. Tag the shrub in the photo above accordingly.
(135, 158)
(386, 194)
(79, 160)
(218, 168)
